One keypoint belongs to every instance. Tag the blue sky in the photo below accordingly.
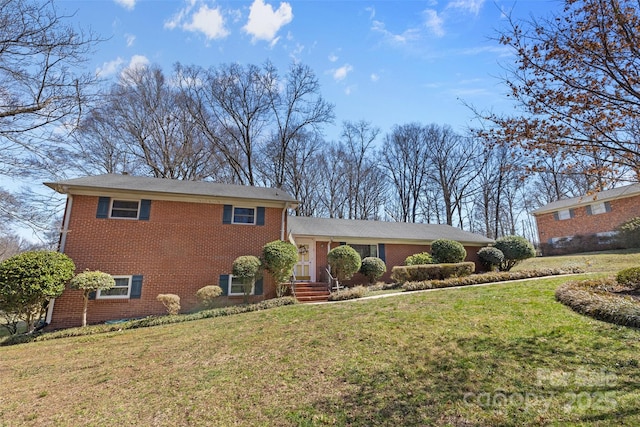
(387, 62)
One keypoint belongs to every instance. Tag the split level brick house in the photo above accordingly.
(587, 222)
(167, 236)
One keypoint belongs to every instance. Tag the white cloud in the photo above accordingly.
(333, 57)
(130, 38)
(341, 73)
(410, 34)
(205, 20)
(127, 4)
(472, 6)
(109, 68)
(434, 22)
(138, 61)
(375, 77)
(264, 23)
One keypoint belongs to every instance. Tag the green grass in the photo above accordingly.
(596, 262)
(505, 354)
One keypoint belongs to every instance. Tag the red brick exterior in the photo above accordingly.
(181, 248)
(583, 224)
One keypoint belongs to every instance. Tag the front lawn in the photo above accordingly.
(504, 354)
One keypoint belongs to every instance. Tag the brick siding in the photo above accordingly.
(583, 224)
(181, 248)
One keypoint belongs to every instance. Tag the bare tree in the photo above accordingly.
(404, 156)
(575, 83)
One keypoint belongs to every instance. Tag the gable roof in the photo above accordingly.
(602, 196)
(344, 229)
(110, 183)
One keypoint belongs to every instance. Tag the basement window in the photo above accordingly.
(122, 289)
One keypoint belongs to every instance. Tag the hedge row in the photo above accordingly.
(149, 321)
(349, 293)
(594, 298)
(412, 273)
(478, 279)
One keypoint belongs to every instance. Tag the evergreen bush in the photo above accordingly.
(446, 251)
(373, 268)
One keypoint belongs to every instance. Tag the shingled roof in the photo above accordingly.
(159, 186)
(601, 196)
(344, 229)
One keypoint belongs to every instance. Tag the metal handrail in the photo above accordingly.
(332, 280)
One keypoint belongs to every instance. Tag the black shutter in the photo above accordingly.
(607, 206)
(343, 243)
(589, 212)
(556, 216)
(258, 287)
(227, 214)
(381, 252)
(224, 284)
(136, 287)
(572, 213)
(92, 295)
(145, 210)
(260, 216)
(103, 207)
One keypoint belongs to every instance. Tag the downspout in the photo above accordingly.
(63, 242)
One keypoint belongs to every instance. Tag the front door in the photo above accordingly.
(305, 269)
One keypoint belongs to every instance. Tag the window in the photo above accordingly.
(565, 214)
(366, 250)
(598, 208)
(236, 286)
(122, 289)
(124, 209)
(244, 215)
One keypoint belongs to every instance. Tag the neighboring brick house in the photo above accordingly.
(168, 236)
(587, 222)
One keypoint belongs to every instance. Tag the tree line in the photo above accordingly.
(574, 131)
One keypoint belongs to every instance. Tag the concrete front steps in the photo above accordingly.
(311, 292)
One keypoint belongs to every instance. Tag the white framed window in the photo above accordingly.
(121, 290)
(564, 214)
(127, 209)
(236, 287)
(244, 215)
(598, 208)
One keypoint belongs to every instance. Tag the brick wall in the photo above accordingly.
(584, 224)
(181, 248)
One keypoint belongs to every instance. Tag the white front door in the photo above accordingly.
(305, 267)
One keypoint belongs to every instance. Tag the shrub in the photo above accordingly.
(91, 281)
(594, 298)
(207, 295)
(419, 259)
(351, 293)
(629, 277)
(246, 268)
(373, 268)
(629, 233)
(279, 258)
(448, 251)
(171, 302)
(344, 262)
(490, 257)
(515, 249)
(29, 280)
(410, 273)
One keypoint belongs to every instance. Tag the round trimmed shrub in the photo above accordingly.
(373, 268)
(171, 302)
(279, 258)
(629, 277)
(448, 251)
(91, 281)
(207, 295)
(629, 233)
(490, 257)
(246, 268)
(344, 262)
(515, 249)
(419, 259)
